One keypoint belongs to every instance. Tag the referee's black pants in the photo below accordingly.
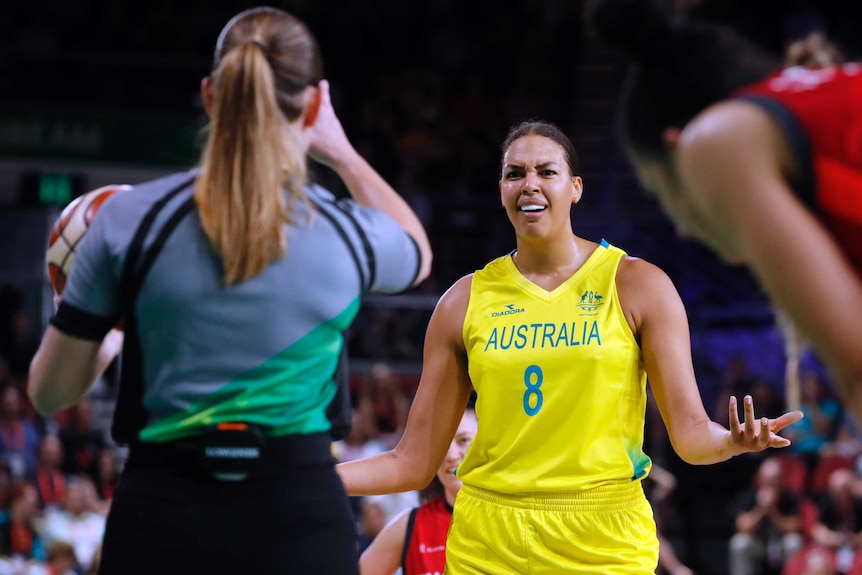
(294, 520)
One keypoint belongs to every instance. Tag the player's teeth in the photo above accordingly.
(532, 208)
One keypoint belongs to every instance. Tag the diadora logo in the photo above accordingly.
(510, 310)
(590, 301)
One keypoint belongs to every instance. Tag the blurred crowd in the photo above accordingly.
(796, 511)
(57, 474)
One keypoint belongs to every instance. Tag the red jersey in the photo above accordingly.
(425, 541)
(821, 112)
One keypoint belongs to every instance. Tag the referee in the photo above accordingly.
(235, 282)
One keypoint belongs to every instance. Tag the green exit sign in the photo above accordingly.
(55, 189)
(49, 188)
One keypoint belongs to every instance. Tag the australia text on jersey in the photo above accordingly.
(541, 335)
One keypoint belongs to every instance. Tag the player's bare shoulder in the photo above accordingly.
(454, 301)
(447, 321)
(636, 270)
(734, 133)
(643, 288)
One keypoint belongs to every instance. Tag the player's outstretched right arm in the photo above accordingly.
(440, 400)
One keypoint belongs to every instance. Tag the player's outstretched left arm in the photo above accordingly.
(656, 312)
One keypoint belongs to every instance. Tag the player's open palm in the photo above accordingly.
(758, 434)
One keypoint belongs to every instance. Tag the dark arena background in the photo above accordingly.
(96, 92)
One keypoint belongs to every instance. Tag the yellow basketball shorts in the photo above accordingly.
(608, 530)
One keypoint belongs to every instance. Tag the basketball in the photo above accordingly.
(69, 230)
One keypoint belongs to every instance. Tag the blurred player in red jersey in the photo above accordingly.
(760, 161)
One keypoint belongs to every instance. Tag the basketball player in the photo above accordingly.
(760, 162)
(236, 282)
(415, 540)
(558, 338)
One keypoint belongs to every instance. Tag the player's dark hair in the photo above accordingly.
(679, 68)
(432, 491)
(548, 130)
(265, 59)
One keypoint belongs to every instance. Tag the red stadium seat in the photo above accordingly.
(810, 515)
(824, 468)
(795, 472)
(797, 564)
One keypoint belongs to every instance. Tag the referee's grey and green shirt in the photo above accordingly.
(264, 351)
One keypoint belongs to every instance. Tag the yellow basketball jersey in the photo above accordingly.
(560, 381)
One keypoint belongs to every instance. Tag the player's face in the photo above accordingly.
(536, 187)
(457, 450)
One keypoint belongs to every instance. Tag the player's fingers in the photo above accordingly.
(748, 409)
(764, 435)
(734, 415)
(324, 92)
(783, 421)
(778, 441)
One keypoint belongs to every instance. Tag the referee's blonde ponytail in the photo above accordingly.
(265, 59)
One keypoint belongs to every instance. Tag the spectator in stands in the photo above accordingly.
(847, 442)
(19, 436)
(660, 483)
(6, 482)
(18, 534)
(18, 339)
(372, 520)
(839, 525)
(362, 440)
(768, 523)
(77, 522)
(812, 561)
(82, 440)
(823, 417)
(106, 474)
(61, 559)
(50, 481)
(387, 405)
